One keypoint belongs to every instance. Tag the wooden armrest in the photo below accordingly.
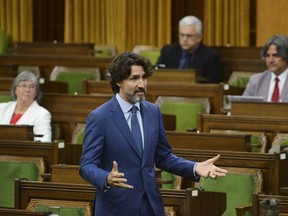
(241, 210)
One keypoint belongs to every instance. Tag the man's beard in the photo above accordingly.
(132, 98)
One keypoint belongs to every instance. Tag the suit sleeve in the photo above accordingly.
(91, 153)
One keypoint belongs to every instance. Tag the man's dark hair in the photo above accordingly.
(120, 68)
(281, 43)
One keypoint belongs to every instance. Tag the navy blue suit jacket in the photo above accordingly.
(108, 138)
(206, 60)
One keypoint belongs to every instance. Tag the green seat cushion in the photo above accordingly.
(78, 133)
(75, 79)
(80, 136)
(238, 188)
(4, 42)
(241, 82)
(185, 112)
(152, 55)
(103, 53)
(9, 172)
(62, 211)
(168, 176)
(5, 98)
(256, 139)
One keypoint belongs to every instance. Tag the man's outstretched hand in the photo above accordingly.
(116, 179)
(208, 169)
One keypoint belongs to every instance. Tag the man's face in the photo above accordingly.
(188, 38)
(133, 88)
(274, 62)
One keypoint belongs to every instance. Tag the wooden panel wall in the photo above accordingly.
(271, 19)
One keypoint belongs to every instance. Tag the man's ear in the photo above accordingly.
(200, 37)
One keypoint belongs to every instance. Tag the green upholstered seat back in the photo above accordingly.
(185, 110)
(4, 42)
(5, 98)
(34, 69)
(239, 78)
(148, 51)
(74, 77)
(61, 207)
(280, 143)
(258, 138)
(104, 51)
(239, 187)
(78, 133)
(62, 211)
(17, 167)
(152, 55)
(176, 180)
(185, 114)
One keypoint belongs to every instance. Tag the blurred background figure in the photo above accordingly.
(25, 108)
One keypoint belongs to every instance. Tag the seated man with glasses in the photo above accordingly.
(191, 53)
(25, 108)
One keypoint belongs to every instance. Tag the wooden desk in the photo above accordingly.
(208, 141)
(266, 109)
(238, 52)
(270, 125)
(215, 92)
(273, 166)
(21, 212)
(51, 48)
(169, 122)
(17, 132)
(229, 65)
(48, 62)
(67, 110)
(189, 202)
(258, 198)
(63, 173)
(54, 87)
(48, 150)
(6, 83)
(174, 75)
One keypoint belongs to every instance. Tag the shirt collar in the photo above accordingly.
(282, 77)
(126, 106)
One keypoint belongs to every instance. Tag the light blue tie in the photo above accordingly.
(135, 127)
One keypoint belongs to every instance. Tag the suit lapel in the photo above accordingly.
(120, 121)
(284, 93)
(264, 91)
(146, 128)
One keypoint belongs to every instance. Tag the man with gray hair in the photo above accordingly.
(191, 53)
(272, 84)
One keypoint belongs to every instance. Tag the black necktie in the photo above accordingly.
(275, 95)
(186, 60)
(135, 127)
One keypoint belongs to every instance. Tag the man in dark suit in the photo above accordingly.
(191, 53)
(120, 164)
(272, 84)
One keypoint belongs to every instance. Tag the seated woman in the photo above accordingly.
(25, 108)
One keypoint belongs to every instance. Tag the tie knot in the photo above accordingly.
(276, 79)
(134, 109)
